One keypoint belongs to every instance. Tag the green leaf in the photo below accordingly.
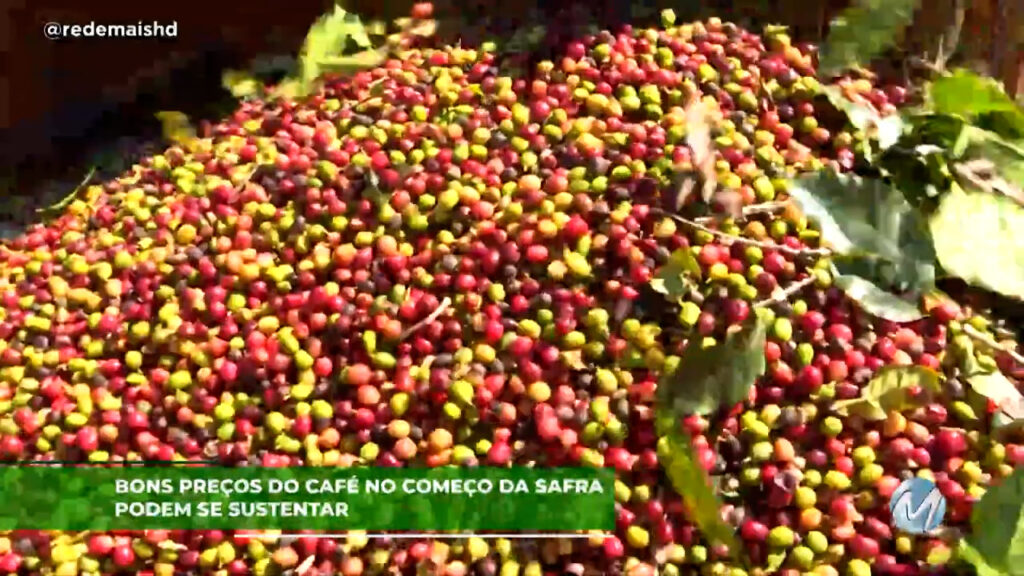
(720, 375)
(876, 301)
(993, 143)
(889, 390)
(1007, 123)
(921, 173)
(979, 237)
(1001, 390)
(939, 134)
(860, 115)
(672, 279)
(863, 32)
(941, 130)
(997, 523)
(679, 461)
(885, 130)
(1005, 426)
(907, 277)
(993, 385)
(864, 216)
(966, 94)
(891, 383)
(971, 555)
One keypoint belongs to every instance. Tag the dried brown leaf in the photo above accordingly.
(698, 137)
(984, 175)
(303, 568)
(730, 202)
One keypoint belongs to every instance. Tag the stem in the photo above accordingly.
(747, 241)
(1000, 41)
(433, 316)
(1004, 333)
(67, 200)
(922, 64)
(992, 343)
(784, 294)
(951, 36)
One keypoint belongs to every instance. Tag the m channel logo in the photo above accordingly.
(917, 506)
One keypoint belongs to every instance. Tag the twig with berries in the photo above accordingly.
(444, 305)
(991, 342)
(732, 238)
(782, 295)
(752, 210)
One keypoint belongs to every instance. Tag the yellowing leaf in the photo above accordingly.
(980, 238)
(573, 359)
(998, 388)
(866, 408)
(288, 89)
(889, 391)
(424, 28)
(176, 127)
(577, 264)
(241, 84)
(325, 44)
(355, 62)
